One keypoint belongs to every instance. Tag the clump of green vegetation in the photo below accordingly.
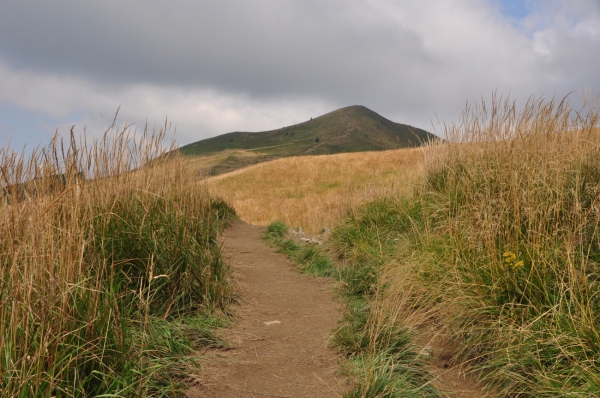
(108, 284)
(385, 361)
(309, 258)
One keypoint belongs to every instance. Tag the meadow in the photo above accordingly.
(487, 261)
(315, 192)
(111, 274)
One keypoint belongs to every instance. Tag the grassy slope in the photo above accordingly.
(324, 187)
(350, 129)
(497, 254)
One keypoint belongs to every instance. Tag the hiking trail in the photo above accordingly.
(279, 337)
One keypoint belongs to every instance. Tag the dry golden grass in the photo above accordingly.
(513, 261)
(494, 263)
(314, 192)
(84, 242)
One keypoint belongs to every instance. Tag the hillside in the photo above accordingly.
(350, 129)
(325, 188)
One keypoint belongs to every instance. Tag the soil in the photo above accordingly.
(279, 336)
(451, 378)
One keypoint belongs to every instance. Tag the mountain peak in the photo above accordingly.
(353, 128)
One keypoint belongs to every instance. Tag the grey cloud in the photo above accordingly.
(265, 48)
(403, 59)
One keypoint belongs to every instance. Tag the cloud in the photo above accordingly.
(214, 66)
(196, 113)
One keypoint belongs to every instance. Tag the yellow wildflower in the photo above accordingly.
(510, 261)
(509, 257)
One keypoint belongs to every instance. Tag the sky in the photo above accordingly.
(214, 66)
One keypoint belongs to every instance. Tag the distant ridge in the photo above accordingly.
(351, 129)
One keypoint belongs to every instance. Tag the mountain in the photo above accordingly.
(350, 129)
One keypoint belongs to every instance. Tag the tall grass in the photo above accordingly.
(515, 198)
(497, 254)
(109, 263)
(377, 330)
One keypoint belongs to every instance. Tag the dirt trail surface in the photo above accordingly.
(279, 337)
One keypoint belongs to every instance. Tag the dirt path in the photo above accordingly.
(280, 333)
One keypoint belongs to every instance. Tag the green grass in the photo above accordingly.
(309, 258)
(351, 129)
(152, 245)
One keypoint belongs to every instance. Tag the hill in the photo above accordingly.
(350, 129)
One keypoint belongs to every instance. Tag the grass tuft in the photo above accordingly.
(275, 231)
(309, 258)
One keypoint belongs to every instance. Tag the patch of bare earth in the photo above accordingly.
(451, 378)
(280, 334)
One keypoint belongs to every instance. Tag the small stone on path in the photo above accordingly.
(272, 323)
